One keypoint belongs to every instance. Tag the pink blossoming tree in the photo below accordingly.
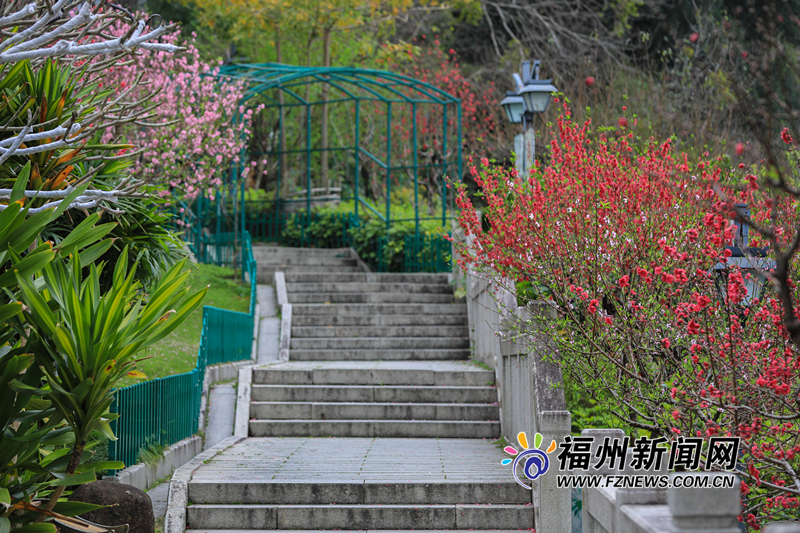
(206, 126)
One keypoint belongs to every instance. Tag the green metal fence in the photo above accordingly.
(164, 411)
(426, 253)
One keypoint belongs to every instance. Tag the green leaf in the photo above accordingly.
(47, 527)
(9, 310)
(32, 263)
(95, 252)
(68, 200)
(20, 184)
(105, 428)
(75, 508)
(5, 497)
(102, 465)
(78, 479)
(5, 524)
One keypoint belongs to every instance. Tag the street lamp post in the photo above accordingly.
(749, 260)
(532, 95)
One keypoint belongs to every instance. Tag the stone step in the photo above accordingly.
(374, 393)
(372, 411)
(355, 492)
(292, 251)
(361, 309)
(306, 517)
(368, 298)
(458, 354)
(444, 429)
(345, 530)
(379, 343)
(306, 260)
(371, 376)
(378, 331)
(366, 277)
(378, 320)
(266, 273)
(364, 287)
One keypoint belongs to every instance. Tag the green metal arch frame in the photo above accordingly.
(357, 85)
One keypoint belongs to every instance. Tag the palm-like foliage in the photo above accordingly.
(85, 340)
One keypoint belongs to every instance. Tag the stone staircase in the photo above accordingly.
(444, 399)
(379, 361)
(271, 259)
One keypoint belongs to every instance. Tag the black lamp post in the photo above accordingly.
(532, 95)
(749, 260)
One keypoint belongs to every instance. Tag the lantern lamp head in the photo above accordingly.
(514, 106)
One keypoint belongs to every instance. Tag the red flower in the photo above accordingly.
(589, 81)
(608, 320)
(694, 327)
(624, 281)
(785, 136)
(739, 149)
(745, 54)
(694, 37)
(623, 122)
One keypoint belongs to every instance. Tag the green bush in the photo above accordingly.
(337, 227)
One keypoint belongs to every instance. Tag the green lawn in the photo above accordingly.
(178, 352)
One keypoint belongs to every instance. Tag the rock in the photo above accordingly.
(133, 506)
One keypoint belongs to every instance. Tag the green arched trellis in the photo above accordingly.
(432, 115)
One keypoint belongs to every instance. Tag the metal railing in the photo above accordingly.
(163, 411)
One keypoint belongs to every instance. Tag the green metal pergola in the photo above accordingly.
(400, 127)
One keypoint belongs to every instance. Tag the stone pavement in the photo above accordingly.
(357, 460)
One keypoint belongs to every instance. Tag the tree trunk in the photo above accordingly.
(74, 461)
(326, 61)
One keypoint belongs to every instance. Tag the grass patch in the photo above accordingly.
(152, 454)
(178, 352)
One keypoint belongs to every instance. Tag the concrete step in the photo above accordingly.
(368, 298)
(379, 331)
(379, 343)
(457, 354)
(372, 411)
(266, 273)
(378, 320)
(444, 429)
(356, 492)
(366, 277)
(357, 309)
(364, 287)
(288, 250)
(345, 530)
(371, 376)
(306, 260)
(306, 517)
(373, 393)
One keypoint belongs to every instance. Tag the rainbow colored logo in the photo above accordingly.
(535, 462)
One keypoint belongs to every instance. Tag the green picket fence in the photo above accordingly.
(164, 411)
(426, 253)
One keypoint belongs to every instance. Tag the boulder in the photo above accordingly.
(128, 505)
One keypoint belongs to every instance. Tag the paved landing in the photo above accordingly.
(391, 460)
(436, 366)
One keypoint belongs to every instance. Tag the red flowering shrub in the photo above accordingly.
(654, 321)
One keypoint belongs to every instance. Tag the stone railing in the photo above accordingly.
(532, 400)
(656, 510)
